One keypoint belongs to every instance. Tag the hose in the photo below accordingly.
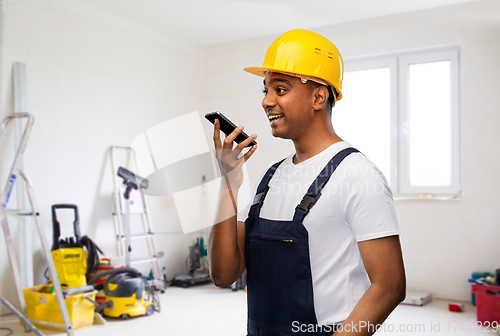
(92, 255)
(112, 272)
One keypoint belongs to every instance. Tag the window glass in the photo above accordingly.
(429, 99)
(362, 116)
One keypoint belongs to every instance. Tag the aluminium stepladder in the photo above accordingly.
(14, 173)
(141, 209)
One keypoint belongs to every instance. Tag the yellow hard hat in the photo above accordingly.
(304, 54)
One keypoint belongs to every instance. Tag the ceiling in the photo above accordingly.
(202, 23)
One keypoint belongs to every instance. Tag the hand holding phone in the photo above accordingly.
(229, 159)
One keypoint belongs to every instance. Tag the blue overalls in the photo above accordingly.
(280, 290)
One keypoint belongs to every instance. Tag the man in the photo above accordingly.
(322, 218)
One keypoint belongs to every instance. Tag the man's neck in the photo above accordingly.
(314, 143)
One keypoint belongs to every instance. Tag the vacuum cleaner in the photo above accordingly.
(127, 293)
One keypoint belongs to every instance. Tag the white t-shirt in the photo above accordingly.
(356, 205)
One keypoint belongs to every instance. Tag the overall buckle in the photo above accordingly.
(308, 202)
(259, 198)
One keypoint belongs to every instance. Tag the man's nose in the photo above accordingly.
(268, 101)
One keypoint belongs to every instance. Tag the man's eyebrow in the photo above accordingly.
(274, 80)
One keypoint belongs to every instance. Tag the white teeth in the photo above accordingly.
(272, 117)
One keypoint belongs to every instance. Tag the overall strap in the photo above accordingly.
(263, 188)
(314, 191)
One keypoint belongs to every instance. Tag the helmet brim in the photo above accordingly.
(259, 71)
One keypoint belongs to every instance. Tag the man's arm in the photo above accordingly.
(383, 262)
(227, 252)
(226, 244)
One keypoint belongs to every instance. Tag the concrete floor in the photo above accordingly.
(210, 311)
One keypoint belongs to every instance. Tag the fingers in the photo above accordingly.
(249, 153)
(217, 141)
(224, 149)
(245, 142)
(228, 141)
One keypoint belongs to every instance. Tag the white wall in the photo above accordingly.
(443, 242)
(93, 81)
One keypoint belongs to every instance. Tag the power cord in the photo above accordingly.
(8, 329)
(152, 295)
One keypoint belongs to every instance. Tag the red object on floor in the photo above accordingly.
(455, 306)
(104, 265)
(487, 302)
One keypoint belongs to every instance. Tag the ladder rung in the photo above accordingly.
(61, 326)
(140, 260)
(140, 235)
(17, 212)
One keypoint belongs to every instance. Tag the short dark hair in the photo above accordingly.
(331, 96)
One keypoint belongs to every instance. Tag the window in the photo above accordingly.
(401, 111)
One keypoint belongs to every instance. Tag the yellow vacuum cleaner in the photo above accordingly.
(127, 293)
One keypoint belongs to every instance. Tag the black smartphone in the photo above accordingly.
(227, 126)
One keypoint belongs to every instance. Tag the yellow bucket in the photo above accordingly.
(42, 306)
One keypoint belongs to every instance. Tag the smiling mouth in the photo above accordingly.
(274, 118)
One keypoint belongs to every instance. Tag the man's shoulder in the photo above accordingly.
(357, 167)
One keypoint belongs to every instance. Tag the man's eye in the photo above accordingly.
(264, 91)
(280, 90)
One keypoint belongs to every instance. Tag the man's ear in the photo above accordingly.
(320, 95)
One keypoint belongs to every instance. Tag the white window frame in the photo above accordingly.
(399, 113)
